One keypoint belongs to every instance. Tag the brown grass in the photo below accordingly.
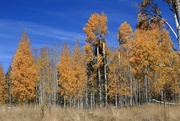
(148, 112)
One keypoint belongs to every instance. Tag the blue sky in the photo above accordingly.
(56, 21)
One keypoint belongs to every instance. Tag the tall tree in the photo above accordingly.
(44, 80)
(79, 72)
(96, 29)
(66, 75)
(91, 84)
(143, 58)
(3, 87)
(113, 75)
(9, 85)
(46, 60)
(23, 72)
(54, 59)
(125, 34)
(167, 76)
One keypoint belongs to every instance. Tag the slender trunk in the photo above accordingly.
(99, 78)
(94, 101)
(105, 74)
(119, 71)
(149, 90)
(43, 89)
(70, 100)
(162, 96)
(54, 94)
(86, 100)
(131, 83)
(41, 93)
(116, 95)
(78, 104)
(116, 99)
(81, 103)
(74, 101)
(137, 91)
(91, 100)
(146, 89)
(139, 94)
(64, 102)
(146, 84)
(177, 20)
(57, 94)
(120, 99)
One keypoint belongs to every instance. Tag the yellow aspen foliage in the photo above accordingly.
(89, 59)
(89, 56)
(152, 55)
(118, 75)
(144, 51)
(125, 33)
(113, 76)
(3, 86)
(96, 28)
(79, 72)
(24, 72)
(167, 69)
(66, 75)
(119, 67)
(99, 61)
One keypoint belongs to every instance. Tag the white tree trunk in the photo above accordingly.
(99, 78)
(105, 73)
(91, 99)
(86, 97)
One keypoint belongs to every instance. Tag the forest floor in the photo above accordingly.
(147, 112)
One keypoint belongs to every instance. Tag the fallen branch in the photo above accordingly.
(162, 102)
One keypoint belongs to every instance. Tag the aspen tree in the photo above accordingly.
(66, 75)
(96, 29)
(23, 72)
(9, 85)
(91, 83)
(125, 34)
(113, 75)
(3, 87)
(79, 72)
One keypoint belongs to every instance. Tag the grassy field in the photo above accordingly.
(148, 112)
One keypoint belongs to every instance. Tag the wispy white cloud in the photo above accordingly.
(53, 32)
(36, 29)
(40, 35)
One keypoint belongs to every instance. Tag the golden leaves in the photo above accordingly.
(125, 33)
(96, 28)
(24, 72)
(79, 72)
(72, 73)
(3, 86)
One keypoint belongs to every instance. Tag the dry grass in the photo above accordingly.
(148, 112)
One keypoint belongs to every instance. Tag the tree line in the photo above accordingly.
(143, 67)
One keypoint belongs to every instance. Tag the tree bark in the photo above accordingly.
(91, 99)
(99, 78)
(64, 102)
(105, 74)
